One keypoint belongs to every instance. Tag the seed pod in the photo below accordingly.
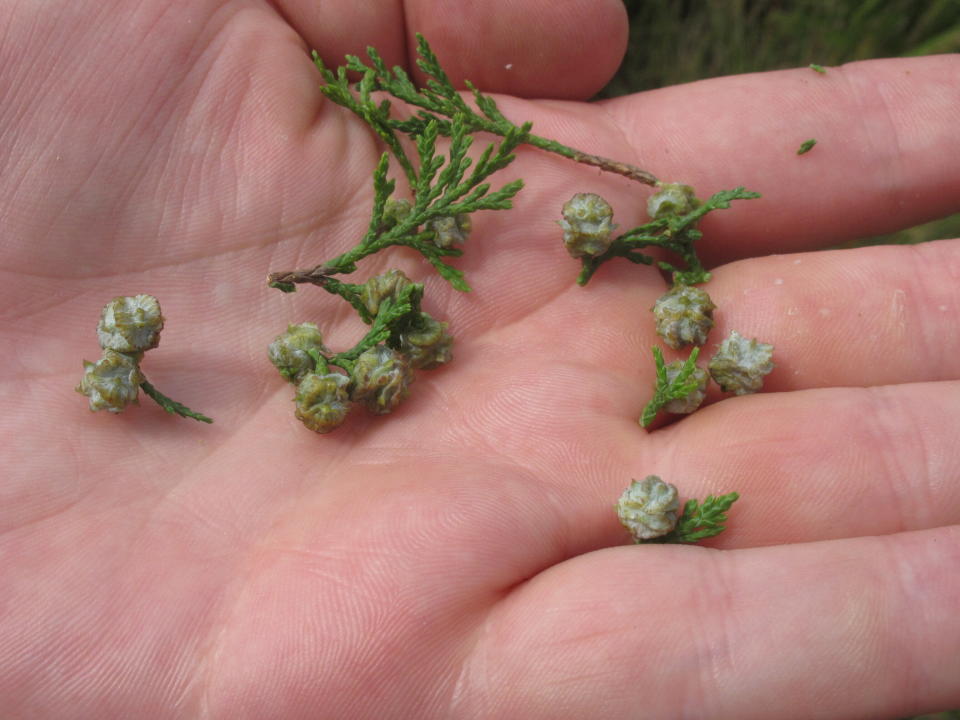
(684, 316)
(380, 287)
(111, 383)
(740, 364)
(130, 324)
(649, 508)
(587, 225)
(323, 401)
(450, 230)
(381, 379)
(290, 351)
(672, 199)
(686, 405)
(427, 343)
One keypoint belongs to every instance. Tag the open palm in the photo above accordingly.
(460, 558)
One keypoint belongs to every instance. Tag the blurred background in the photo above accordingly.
(677, 41)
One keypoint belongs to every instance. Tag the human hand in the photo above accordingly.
(461, 557)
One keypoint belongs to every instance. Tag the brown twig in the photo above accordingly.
(614, 166)
(318, 275)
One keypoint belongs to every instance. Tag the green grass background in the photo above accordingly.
(677, 41)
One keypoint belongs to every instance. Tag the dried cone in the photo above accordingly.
(649, 508)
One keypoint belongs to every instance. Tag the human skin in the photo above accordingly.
(461, 557)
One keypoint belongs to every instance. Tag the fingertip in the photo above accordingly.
(532, 49)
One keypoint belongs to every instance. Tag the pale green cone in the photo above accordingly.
(112, 383)
(323, 401)
(740, 365)
(649, 508)
(130, 324)
(381, 379)
(587, 225)
(290, 352)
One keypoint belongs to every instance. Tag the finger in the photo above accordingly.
(665, 632)
(863, 317)
(530, 49)
(809, 465)
(818, 464)
(499, 45)
(871, 316)
(886, 139)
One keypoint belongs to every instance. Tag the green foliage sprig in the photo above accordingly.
(673, 232)
(665, 391)
(392, 318)
(700, 521)
(439, 102)
(446, 187)
(441, 188)
(172, 406)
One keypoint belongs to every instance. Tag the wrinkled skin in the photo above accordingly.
(461, 558)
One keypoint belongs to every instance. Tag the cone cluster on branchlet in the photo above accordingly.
(684, 314)
(738, 367)
(128, 327)
(377, 377)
